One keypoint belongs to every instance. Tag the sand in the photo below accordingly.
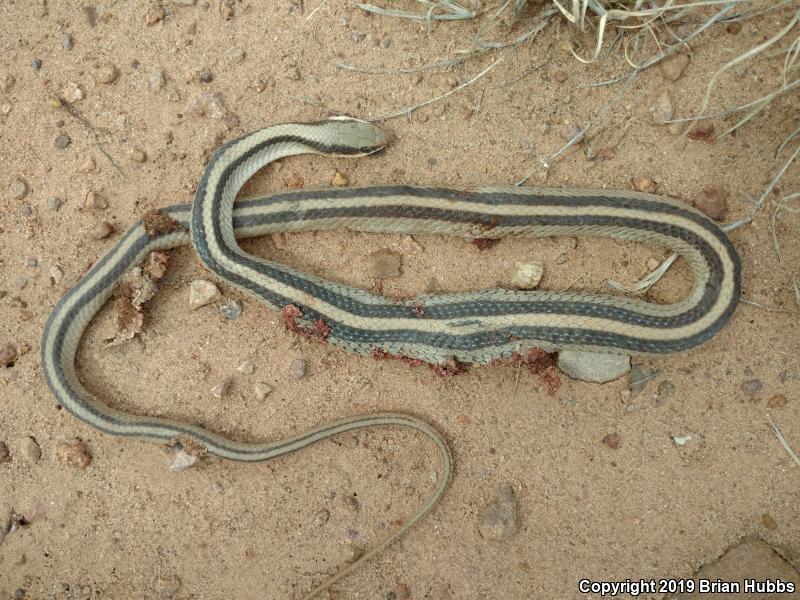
(127, 527)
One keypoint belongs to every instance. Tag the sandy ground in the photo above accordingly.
(126, 527)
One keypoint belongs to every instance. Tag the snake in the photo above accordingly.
(468, 327)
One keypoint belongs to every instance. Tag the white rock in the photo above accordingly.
(202, 292)
(262, 390)
(182, 460)
(527, 275)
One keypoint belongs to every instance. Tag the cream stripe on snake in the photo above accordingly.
(470, 327)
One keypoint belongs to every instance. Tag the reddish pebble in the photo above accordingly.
(713, 202)
(74, 452)
(702, 131)
(612, 440)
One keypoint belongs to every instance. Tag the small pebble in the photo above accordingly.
(103, 230)
(8, 355)
(351, 503)
(182, 460)
(30, 449)
(666, 390)
(298, 368)
(207, 105)
(752, 387)
(158, 80)
(768, 522)
(661, 110)
(322, 517)
(53, 203)
(202, 292)
(701, 131)
(74, 452)
(401, 592)
(205, 76)
(154, 16)
(5, 108)
(56, 275)
(247, 367)
(384, 264)
(138, 155)
(713, 202)
(498, 521)
(231, 310)
(62, 141)
(90, 14)
(681, 440)
(167, 586)
(236, 55)
(221, 389)
(87, 165)
(19, 188)
(734, 27)
(5, 454)
(339, 180)
(527, 275)
(261, 391)
(36, 64)
(225, 10)
(674, 66)
(777, 401)
(67, 42)
(612, 440)
(95, 201)
(352, 552)
(73, 92)
(643, 184)
(595, 367)
(32, 262)
(106, 74)
(184, 2)
(652, 264)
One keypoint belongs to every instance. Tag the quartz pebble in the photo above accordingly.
(182, 460)
(138, 155)
(19, 188)
(106, 74)
(30, 449)
(236, 55)
(221, 389)
(53, 203)
(73, 92)
(157, 80)
(298, 368)
(247, 367)
(527, 275)
(202, 292)
(231, 310)
(261, 391)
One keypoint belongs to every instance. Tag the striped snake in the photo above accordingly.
(473, 327)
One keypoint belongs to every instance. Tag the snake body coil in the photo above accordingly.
(470, 327)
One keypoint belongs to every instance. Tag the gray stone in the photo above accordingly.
(595, 367)
(498, 521)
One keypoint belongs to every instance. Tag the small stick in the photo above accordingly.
(783, 441)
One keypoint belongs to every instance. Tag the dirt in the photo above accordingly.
(158, 99)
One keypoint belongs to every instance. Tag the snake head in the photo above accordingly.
(354, 137)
